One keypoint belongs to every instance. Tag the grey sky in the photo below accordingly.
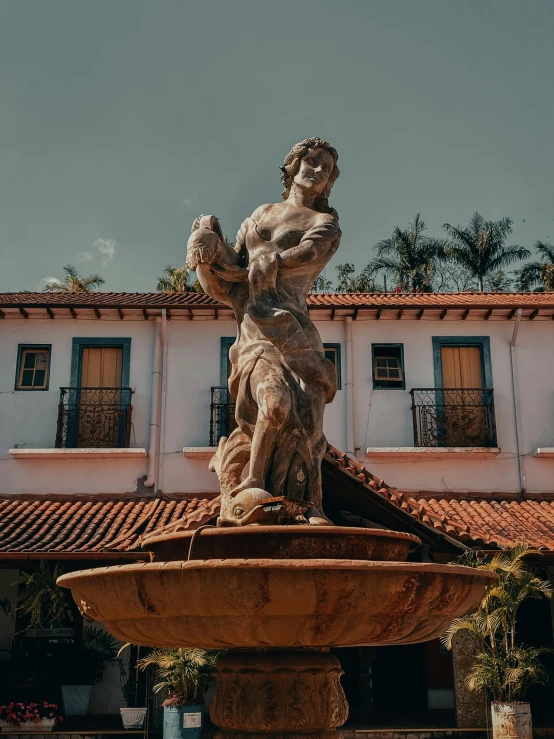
(121, 120)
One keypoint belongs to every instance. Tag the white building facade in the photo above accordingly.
(491, 432)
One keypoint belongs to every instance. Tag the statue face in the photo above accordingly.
(315, 169)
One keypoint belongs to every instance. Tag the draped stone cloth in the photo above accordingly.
(280, 378)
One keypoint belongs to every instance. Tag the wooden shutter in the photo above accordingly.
(100, 412)
(461, 366)
(101, 366)
(463, 414)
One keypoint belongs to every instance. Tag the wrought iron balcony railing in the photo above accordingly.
(452, 417)
(94, 417)
(222, 415)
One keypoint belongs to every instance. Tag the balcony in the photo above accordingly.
(98, 417)
(453, 417)
(448, 423)
(222, 415)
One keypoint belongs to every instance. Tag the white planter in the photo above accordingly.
(133, 718)
(511, 720)
(33, 727)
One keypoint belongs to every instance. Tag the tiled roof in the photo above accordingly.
(80, 524)
(499, 522)
(94, 299)
(474, 522)
(433, 300)
(323, 300)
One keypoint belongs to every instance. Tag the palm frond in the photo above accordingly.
(502, 666)
(74, 282)
(56, 286)
(182, 673)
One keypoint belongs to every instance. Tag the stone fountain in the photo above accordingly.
(275, 583)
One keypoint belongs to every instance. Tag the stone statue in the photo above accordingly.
(280, 377)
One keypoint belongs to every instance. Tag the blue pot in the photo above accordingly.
(183, 722)
(76, 699)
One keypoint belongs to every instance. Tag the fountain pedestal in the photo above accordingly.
(289, 692)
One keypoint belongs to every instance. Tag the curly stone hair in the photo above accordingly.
(291, 166)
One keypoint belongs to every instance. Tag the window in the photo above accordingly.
(332, 353)
(33, 367)
(86, 365)
(388, 366)
(462, 361)
(224, 361)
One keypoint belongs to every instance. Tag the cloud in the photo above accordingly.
(85, 256)
(107, 248)
(188, 202)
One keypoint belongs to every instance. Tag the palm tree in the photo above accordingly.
(408, 257)
(177, 280)
(538, 273)
(174, 280)
(480, 247)
(74, 283)
(502, 666)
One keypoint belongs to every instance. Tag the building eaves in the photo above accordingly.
(84, 526)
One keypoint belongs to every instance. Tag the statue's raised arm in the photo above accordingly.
(280, 378)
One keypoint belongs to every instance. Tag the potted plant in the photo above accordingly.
(504, 668)
(33, 717)
(132, 716)
(184, 674)
(98, 650)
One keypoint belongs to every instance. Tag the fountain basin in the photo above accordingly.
(282, 542)
(253, 603)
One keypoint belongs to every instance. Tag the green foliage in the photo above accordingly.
(498, 282)
(178, 280)
(480, 247)
(87, 664)
(538, 276)
(183, 673)
(99, 650)
(6, 607)
(322, 285)
(503, 667)
(408, 256)
(46, 604)
(73, 282)
(349, 282)
(129, 677)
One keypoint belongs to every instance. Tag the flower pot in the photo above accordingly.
(133, 718)
(33, 727)
(183, 722)
(511, 720)
(76, 699)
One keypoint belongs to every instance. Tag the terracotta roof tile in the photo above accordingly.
(61, 524)
(481, 523)
(326, 300)
(82, 525)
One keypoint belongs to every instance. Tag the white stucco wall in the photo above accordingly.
(382, 418)
(28, 419)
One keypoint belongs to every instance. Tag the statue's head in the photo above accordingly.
(311, 163)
